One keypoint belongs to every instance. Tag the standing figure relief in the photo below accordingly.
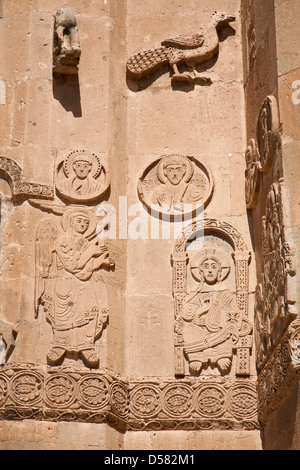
(66, 259)
(189, 50)
(211, 317)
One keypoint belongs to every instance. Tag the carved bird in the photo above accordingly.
(189, 50)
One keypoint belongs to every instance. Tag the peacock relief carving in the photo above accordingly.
(190, 50)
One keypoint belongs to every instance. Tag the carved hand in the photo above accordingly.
(100, 249)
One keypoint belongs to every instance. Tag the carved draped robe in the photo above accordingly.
(176, 195)
(75, 187)
(211, 324)
(77, 309)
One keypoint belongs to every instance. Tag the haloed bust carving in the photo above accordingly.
(81, 177)
(175, 184)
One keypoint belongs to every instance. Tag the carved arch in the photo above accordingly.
(11, 172)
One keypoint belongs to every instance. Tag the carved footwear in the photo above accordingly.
(224, 364)
(195, 367)
(90, 357)
(55, 355)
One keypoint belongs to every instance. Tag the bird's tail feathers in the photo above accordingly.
(147, 62)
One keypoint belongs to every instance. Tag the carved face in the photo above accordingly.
(222, 19)
(175, 173)
(80, 224)
(210, 269)
(82, 169)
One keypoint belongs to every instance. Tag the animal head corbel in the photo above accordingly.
(222, 19)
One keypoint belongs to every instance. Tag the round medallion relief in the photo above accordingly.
(93, 392)
(175, 185)
(60, 390)
(177, 400)
(210, 401)
(26, 388)
(145, 400)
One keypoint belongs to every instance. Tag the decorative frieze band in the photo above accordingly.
(65, 394)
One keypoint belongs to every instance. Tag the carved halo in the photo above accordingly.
(88, 156)
(183, 159)
(210, 253)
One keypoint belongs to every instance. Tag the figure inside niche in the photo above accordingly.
(211, 317)
(175, 173)
(75, 306)
(81, 177)
(66, 42)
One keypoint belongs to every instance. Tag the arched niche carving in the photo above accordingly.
(21, 189)
(226, 295)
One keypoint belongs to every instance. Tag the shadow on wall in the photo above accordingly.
(66, 90)
(282, 432)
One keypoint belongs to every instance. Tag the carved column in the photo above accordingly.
(244, 345)
(179, 261)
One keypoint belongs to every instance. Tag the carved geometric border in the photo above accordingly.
(66, 394)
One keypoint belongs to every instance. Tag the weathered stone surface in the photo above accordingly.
(149, 224)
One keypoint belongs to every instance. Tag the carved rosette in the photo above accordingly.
(21, 392)
(180, 260)
(210, 401)
(67, 394)
(119, 399)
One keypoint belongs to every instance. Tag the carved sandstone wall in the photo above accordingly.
(122, 119)
(272, 169)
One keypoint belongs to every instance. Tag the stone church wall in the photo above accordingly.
(149, 224)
